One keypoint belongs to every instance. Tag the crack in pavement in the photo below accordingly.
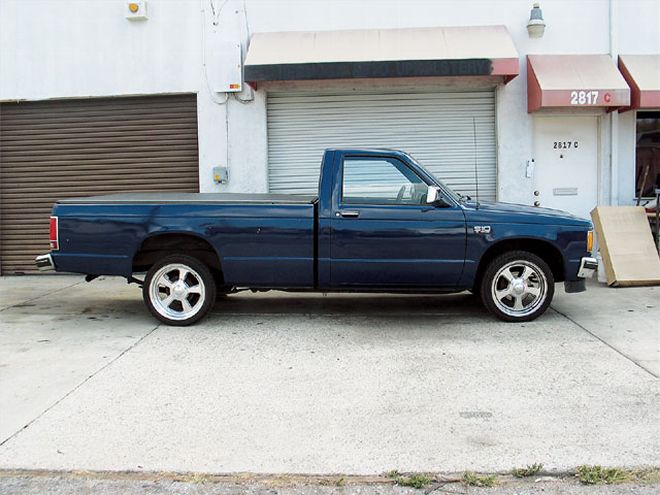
(621, 353)
(77, 387)
(40, 296)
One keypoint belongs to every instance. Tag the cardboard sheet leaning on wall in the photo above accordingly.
(626, 245)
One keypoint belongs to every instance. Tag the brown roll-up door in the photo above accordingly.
(51, 150)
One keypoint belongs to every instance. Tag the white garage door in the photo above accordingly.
(435, 127)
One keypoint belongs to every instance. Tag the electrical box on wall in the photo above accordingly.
(136, 10)
(529, 169)
(220, 175)
(229, 78)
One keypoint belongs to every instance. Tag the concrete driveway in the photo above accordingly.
(362, 384)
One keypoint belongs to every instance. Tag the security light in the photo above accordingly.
(536, 24)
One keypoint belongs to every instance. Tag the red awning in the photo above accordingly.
(575, 81)
(642, 72)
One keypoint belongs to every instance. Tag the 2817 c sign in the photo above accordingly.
(565, 145)
(589, 98)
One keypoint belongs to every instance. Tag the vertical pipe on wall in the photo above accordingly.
(212, 116)
(614, 115)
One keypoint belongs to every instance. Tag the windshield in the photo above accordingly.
(445, 189)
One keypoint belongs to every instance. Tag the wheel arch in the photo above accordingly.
(160, 244)
(543, 248)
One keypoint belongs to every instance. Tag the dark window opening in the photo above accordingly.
(647, 166)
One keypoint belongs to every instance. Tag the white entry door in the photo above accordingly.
(566, 169)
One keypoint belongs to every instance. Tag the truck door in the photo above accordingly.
(384, 234)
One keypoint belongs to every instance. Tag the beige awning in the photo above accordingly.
(574, 81)
(642, 72)
(413, 52)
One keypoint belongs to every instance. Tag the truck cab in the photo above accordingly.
(377, 227)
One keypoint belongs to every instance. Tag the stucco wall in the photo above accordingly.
(86, 48)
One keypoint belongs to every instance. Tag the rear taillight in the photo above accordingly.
(54, 234)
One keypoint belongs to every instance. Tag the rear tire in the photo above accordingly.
(179, 290)
(517, 286)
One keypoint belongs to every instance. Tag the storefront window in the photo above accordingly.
(648, 154)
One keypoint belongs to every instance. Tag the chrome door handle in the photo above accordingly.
(348, 213)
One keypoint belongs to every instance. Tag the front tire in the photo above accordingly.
(179, 290)
(517, 286)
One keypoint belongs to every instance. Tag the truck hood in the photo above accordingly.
(493, 212)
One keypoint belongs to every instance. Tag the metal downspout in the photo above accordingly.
(614, 115)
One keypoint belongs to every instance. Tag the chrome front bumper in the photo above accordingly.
(587, 267)
(44, 262)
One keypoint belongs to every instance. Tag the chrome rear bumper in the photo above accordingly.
(44, 262)
(587, 267)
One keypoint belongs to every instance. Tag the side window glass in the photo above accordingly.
(381, 181)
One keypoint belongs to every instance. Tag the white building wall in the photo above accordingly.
(79, 48)
(637, 32)
(87, 48)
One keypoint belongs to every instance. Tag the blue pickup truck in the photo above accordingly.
(380, 222)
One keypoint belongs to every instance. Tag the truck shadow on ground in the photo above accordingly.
(355, 304)
(125, 304)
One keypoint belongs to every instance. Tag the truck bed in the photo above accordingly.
(262, 240)
(191, 198)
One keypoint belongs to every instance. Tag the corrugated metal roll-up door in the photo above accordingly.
(51, 150)
(435, 127)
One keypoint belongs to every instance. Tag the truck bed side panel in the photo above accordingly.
(259, 245)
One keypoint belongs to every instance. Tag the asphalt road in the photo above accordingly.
(281, 383)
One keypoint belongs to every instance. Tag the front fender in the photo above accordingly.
(569, 244)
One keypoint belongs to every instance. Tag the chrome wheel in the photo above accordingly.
(519, 288)
(177, 292)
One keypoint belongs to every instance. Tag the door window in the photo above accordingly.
(381, 181)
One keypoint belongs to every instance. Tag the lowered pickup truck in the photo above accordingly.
(380, 222)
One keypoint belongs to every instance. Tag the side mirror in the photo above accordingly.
(433, 197)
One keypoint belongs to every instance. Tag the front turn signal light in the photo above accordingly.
(590, 240)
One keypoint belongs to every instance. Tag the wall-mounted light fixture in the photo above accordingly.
(136, 10)
(536, 24)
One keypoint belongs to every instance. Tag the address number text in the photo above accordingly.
(565, 145)
(584, 97)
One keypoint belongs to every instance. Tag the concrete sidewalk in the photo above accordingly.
(277, 383)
